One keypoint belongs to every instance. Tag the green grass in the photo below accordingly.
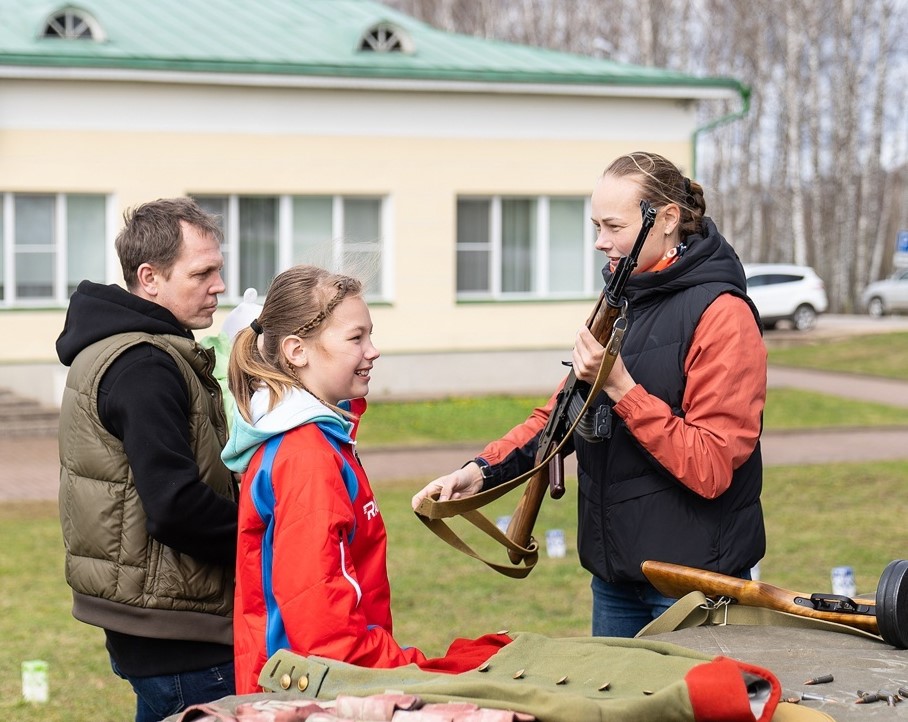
(875, 355)
(817, 517)
(477, 421)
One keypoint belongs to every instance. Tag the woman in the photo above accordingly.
(675, 472)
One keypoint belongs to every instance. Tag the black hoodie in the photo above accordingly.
(144, 402)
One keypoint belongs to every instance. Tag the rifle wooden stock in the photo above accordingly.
(674, 580)
(602, 324)
(520, 528)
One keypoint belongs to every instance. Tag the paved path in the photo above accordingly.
(29, 466)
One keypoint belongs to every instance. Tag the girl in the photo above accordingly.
(311, 572)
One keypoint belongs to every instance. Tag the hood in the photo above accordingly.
(97, 312)
(296, 408)
(709, 258)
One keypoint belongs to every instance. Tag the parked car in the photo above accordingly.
(786, 292)
(887, 296)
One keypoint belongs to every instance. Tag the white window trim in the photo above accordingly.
(592, 284)
(59, 280)
(285, 238)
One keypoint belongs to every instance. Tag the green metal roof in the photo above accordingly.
(299, 38)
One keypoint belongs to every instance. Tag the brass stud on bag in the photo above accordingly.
(563, 680)
(303, 683)
(604, 687)
(285, 681)
(519, 674)
(484, 667)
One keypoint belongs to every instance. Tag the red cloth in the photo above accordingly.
(466, 654)
(719, 691)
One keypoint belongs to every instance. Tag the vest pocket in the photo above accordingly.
(179, 581)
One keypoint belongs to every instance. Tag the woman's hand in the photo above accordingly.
(587, 357)
(463, 482)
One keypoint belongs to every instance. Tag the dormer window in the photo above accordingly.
(72, 24)
(386, 38)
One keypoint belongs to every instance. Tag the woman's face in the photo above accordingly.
(617, 219)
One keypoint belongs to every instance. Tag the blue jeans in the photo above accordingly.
(621, 609)
(164, 695)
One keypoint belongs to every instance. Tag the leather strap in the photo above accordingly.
(432, 512)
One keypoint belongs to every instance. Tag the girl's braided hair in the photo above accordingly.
(298, 303)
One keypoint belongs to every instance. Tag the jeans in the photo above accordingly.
(161, 696)
(621, 609)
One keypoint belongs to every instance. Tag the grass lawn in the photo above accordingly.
(817, 517)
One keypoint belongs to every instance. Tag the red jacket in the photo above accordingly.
(311, 573)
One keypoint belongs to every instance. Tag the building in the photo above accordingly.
(452, 172)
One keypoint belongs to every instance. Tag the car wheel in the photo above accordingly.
(875, 307)
(804, 318)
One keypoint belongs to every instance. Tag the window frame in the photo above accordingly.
(284, 238)
(60, 248)
(541, 271)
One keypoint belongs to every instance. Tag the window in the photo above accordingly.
(263, 235)
(386, 38)
(72, 24)
(48, 244)
(540, 247)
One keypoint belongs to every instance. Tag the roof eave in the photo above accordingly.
(452, 81)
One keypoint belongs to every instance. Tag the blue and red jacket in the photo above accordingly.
(311, 571)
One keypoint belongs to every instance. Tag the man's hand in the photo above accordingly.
(461, 483)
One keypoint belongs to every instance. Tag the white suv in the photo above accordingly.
(785, 292)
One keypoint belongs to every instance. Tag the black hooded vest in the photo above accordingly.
(630, 508)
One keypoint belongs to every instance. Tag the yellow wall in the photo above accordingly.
(422, 177)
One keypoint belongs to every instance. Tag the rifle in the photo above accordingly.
(886, 616)
(607, 323)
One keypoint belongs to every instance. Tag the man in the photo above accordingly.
(148, 510)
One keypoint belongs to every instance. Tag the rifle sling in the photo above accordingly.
(431, 512)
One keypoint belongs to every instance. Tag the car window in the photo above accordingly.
(771, 279)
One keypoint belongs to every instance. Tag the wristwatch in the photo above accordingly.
(484, 468)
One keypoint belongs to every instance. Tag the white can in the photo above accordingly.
(843, 582)
(554, 543)
(34, 680)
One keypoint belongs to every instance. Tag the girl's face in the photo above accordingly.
(616, 216)
(339, 359)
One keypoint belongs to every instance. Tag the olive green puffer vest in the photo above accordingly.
(117, 572)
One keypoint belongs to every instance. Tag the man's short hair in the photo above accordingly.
(152, 234)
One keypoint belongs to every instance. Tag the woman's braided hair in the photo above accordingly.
(298, 303)
(662, 183)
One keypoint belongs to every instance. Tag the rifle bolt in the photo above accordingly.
(822, 679)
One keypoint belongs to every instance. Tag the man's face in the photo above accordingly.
(191, 291)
